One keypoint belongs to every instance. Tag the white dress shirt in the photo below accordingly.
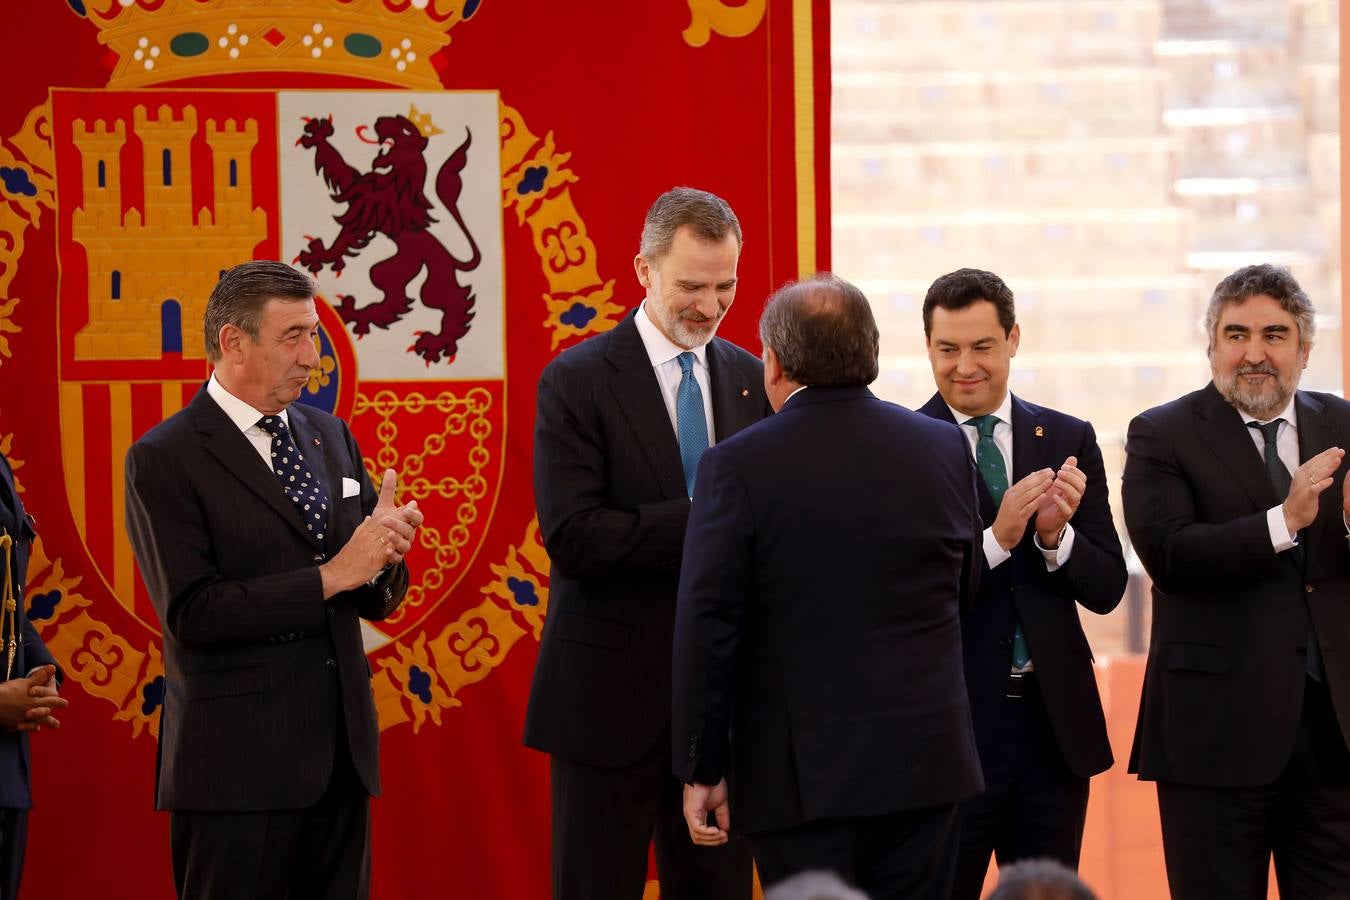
(665, 361)
(994, 554)
(1286, 443)
(245, 418)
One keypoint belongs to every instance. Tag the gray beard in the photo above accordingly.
(1259, 403)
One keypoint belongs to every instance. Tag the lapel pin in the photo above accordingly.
(745, 392)
(316, 440)
(1040, 432)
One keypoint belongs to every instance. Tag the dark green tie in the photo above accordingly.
(994, 470)
(1280, 480)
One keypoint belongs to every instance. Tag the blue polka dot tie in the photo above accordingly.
(691, 422)
(994, 470)
(302, 486)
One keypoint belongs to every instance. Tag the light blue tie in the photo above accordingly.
(691, 422)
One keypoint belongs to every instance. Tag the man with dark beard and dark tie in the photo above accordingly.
(1235, 499)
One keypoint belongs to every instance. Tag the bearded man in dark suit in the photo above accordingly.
(1236, 500)
(622, 421)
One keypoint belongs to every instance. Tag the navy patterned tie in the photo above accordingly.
(1280, 480)
(296, 478)
(691, 422)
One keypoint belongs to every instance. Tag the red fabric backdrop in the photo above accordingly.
(638, 102)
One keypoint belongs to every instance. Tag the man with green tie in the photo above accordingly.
(1049, 546)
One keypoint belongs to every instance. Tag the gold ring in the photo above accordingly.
(1312, 479)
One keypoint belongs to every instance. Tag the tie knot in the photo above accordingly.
(273, 425)
(687, 361)
(1269, 431)
(984, 425)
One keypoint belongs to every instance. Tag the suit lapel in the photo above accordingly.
(234, 452)
(639, 396)
(1029, 448)
(326, 460)
(937, 408)
(1315, 435)
(1221, 428)
(733, 395)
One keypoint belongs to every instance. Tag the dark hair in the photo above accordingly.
(957, 290)
(822, 331)
(1040, 879)
(707, 214)
(1275, 282)
(242, 292)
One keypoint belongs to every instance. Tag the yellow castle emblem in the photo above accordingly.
(151, 272)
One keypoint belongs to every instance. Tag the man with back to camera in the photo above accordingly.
(261, 541)
(1235, 499)
(817, 635)
(622, 420)
(1049, 545)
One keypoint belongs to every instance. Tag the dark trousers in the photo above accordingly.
(1033, 806)
(321, 852)
(910, 854)
(1218, 841)
(13, 839)
(605, 819)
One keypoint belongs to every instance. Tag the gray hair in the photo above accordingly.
(1040, 879)
(1275, 282)
(822, 331)
(242, 292)
(818, 885)
(707, 214)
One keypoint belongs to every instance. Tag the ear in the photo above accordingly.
(1303, 353)
(231, 339)
(1014, 338)
(643, 270)
(773, 369)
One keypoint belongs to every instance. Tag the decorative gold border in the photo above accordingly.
(415, 679)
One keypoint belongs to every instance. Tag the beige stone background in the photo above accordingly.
(1112, 160)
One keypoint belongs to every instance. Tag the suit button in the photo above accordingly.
(319, 557)
(1005, 642)
(329, 607)
(1309, 588)
(330, 664)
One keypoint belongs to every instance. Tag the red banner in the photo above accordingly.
(147, 144)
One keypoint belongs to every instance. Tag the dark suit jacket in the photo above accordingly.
(818, 638)
(612, 505)
(1094, 576)
(260, 672)
(30, 653)
(1224, 682)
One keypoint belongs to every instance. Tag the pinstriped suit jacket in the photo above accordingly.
(612, 506)
(260, 672)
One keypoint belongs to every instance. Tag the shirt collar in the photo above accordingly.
(1289, 415)
(240, 413)
(1004, 411)
(660, 349)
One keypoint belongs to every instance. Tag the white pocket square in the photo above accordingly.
(350, 488)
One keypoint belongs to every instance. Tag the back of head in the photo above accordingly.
(822, 331)
(957, 290)
(241, 293)
(707, 215)
(819, 885)
(1040, 879)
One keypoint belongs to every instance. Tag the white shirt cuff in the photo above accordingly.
(1060, 555)
(1280, 538)
(993, 553)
